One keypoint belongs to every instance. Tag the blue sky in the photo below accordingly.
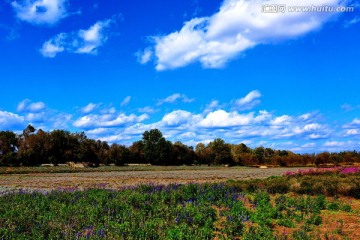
(194, 69)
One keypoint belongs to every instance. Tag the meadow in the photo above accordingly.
(303, 204)
(116, 177)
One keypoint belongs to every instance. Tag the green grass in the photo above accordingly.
(243, 210)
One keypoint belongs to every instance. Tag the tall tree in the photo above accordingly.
(8, 148)
(62, 147)
(119, 154)
(157, 150)
(239, 153)
(31, 147)
(137, 152)
(221, 152)
(182, 154)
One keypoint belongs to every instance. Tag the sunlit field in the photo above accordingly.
(303, 204)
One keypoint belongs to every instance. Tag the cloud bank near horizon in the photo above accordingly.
(249, 124)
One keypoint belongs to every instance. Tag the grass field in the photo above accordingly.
(117, 177)
(306, 204)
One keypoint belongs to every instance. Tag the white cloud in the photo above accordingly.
(108, 120)
(263, 116)
(147, 110)
(138, 129)
(175, 97)
(333, 144)
(305, 116)
(81, 42)
(99, 131)
(301, 133)
(40, 11)
(282, 120)
(213, 105)
(221, 118)
(28, 106)
(89, 108)
(61, 121)
(312, 127)
(340, 146)
(237, 26)
(352, 128)
(108, 110)
(176, 118)
(355, 123)
(10, 120)
(126, 101)
(249, 101)
(309, 145)
(352, 132)
(54, 46)
(36, 117)
(316, 136)
(144, 56)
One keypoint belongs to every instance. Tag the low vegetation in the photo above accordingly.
(293, 206)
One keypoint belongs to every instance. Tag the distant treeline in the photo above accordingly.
(35, 147)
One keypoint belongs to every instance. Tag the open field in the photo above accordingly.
(118, 177)
(183, 203)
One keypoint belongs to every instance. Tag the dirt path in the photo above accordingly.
(115, 180)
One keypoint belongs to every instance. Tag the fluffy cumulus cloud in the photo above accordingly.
(176, 118)
(81, 42)
(238, 26)
(306, 132)
(10, 120)
(251, 127)
(223, 119)
(40, 11)
(36, 114)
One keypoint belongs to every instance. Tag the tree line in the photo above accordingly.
(35, 147)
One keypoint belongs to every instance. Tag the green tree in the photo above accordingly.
(221, 152)
(137, 152)
(322, 158)
(182, 154)
(62, 146)
(239, 153)
(8, 148)
(33, 147)
(89, 150)
(102, 152)
(259, 153)
(119, 154)
(201, 153)
(157, 150)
